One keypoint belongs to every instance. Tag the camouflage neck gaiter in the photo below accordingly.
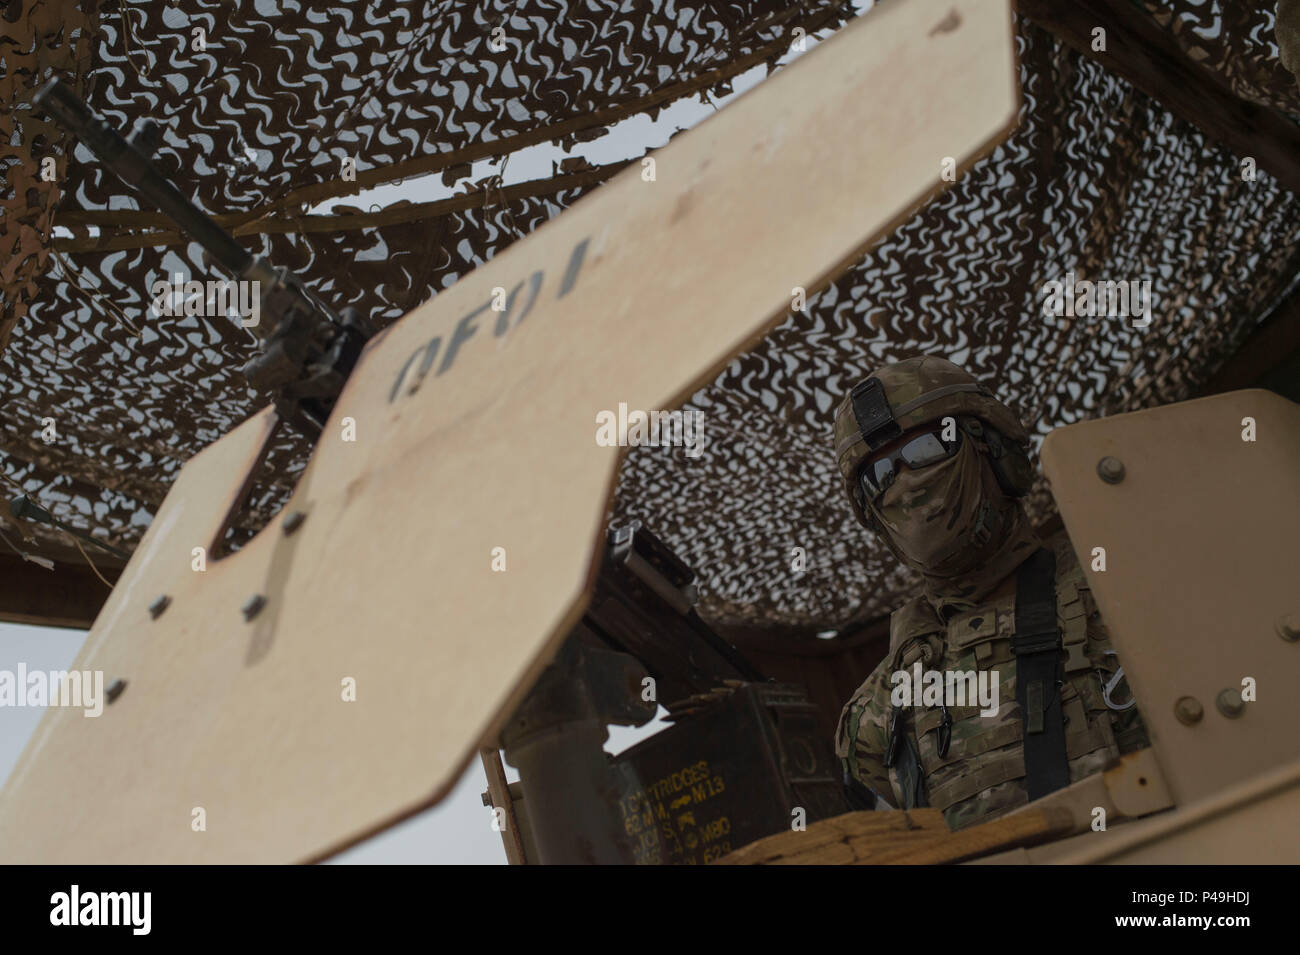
(953, 523)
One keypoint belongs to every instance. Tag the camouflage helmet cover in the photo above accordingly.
(918, 391)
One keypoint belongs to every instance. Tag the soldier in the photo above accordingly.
(935, 466)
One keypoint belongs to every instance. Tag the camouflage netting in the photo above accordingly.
(1236, 41)
(278, 98)
(34, 39)
(1098, 180)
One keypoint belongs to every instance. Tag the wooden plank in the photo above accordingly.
(1275, 341)
(67, 596)
(915, 837)
(475, 430)
(113, 222)
(1027, 828)
(837, 840)
(499, 790)
(1149, 57)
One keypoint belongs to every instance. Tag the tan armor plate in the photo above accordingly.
(638, 294)
(1201, 577)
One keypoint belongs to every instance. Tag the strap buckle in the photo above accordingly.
(895, 733)
(1044, 642)
(1037, 693)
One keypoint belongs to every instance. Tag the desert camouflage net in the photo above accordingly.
(34, 37)
(280, 95)
(1098, 180)
(1236, 41)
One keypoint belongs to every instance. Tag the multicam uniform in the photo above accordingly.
(958, 521)
(982, 775)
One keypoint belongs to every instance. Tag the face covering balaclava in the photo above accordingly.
(953, 523)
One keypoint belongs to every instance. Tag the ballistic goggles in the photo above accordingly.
(921, 450)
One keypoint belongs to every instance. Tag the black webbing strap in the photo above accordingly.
(1037, 646)
(871, 409)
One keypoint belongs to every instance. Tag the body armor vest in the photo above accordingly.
(970, 766)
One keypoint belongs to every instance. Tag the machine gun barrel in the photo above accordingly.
(306, 351)
(131, 160)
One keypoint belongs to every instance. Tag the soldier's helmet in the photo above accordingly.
(917, 391)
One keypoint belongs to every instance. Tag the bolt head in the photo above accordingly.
(1288, 627)
(114, 690)
(1189, 711)
(1230, 703)
(253, 606)
(1110, 470)
(160, 603)
(292, 522)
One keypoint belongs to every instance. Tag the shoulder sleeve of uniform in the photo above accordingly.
(863, 730)
(912, 619)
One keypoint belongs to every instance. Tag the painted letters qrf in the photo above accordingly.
(466, 328)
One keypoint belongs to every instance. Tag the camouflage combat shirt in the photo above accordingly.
(982, 775)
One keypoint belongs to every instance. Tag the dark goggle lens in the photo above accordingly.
(877, 476)
(926, 449)
(922, 451)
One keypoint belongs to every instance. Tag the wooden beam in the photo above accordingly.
(914, 837)
(1275, 341)
(499, 790)
(1149, 57)
(329, 222)
(67, 596)
(803, 641)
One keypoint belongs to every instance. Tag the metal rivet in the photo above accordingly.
(161, 603)
(1110, 470)
(1230, 703)
(115, 690)
(293, 522)
(253, 606)
(1189, 711)
(1288, 627)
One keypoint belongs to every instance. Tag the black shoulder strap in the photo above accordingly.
(1037, 646)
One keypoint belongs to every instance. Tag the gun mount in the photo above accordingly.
(306, 350)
